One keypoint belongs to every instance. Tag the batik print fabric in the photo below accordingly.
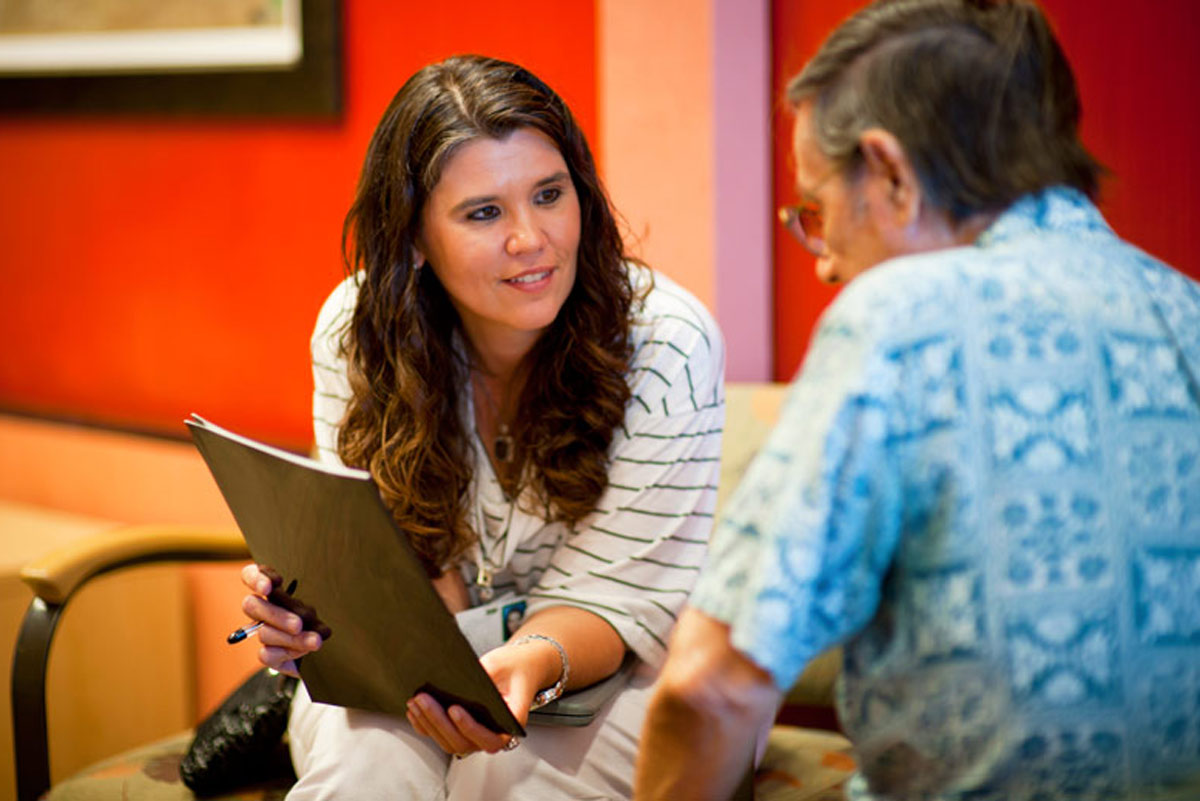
(986, 484)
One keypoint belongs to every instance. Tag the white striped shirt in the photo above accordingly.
(634, 561)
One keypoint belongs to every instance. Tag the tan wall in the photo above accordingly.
(61, 481)
(656, 141)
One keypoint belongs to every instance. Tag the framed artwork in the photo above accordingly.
(174, 57)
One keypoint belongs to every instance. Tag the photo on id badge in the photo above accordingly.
(512, 614)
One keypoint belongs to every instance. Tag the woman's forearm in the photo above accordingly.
(593, 647)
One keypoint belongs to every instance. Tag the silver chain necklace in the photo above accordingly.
(502, 444)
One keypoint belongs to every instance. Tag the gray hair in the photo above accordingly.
(978, 92)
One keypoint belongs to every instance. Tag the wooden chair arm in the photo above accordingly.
(59, 573)
(54, 578)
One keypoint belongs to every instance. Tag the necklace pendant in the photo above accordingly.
(483, 582)
(502, 446)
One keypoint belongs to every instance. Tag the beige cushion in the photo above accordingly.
(803, 765)
(751, 410)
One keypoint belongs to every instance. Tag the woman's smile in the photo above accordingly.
(531, 280)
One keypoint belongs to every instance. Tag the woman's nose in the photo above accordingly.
(525, 236)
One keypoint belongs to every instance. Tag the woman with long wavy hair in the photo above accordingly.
(542, 415)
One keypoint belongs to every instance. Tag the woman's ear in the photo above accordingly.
(418, 257)
(892, 176)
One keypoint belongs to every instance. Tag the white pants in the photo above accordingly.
(344, 753)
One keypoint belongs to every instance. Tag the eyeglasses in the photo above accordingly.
(806, 222)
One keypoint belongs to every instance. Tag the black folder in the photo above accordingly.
(326, 528)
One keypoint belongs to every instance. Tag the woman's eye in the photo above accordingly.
(549, 195)
(484, 213)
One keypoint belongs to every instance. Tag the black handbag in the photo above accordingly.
(242, 743)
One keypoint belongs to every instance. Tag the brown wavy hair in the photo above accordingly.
(407, 375)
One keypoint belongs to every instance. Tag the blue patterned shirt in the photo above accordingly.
(986, 484)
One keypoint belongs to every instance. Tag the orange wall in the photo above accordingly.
(1138, 70)
(657, 131)
(154, 267)
(683, 94)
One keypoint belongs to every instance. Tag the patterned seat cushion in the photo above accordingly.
(798, 765)
(803, 765)
(150, 773)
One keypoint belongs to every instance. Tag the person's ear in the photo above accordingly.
(892, 175)
(418, 256)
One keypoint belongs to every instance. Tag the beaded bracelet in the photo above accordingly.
(549, 694)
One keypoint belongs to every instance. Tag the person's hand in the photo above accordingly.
(455, 731)
(453, 590)
(282, 638)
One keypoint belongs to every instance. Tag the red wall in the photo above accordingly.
(1138, 69)
(797, 28)
(155, 267)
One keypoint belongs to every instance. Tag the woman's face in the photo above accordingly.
(501, 232)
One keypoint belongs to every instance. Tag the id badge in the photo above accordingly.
(489, 625)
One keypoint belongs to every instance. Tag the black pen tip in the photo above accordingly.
(236, 637)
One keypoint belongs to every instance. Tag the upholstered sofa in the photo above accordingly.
(805, 759)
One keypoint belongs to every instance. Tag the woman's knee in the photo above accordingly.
(342, 753)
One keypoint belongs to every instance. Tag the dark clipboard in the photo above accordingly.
(326, 528)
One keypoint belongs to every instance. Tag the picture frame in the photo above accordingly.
(266, 77)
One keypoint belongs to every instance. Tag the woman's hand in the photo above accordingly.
(282, 636)
(516, 672)
(519, 669)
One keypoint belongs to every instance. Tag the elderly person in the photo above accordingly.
(986, 480)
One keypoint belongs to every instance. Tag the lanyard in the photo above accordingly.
(486, 567)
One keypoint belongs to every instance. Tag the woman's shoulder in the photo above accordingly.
(336, 311)
(678, 349)
(669, 312)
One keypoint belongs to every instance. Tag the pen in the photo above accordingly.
(243, 633)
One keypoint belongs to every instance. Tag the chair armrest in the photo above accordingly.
(55, 576)
(815, 687)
